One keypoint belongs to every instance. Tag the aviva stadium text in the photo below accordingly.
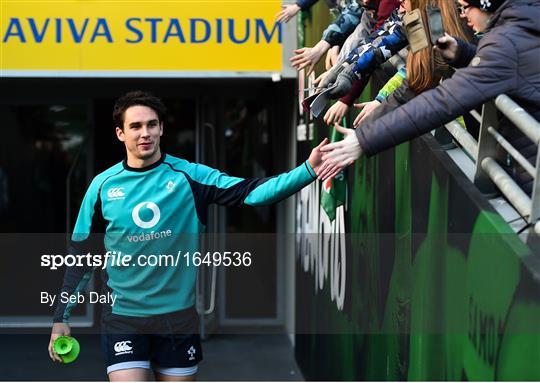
(139, 30)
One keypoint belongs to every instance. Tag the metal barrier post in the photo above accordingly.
(521, 119)
(487, 147)
(533, 239)
(464, 138)
(531, 128)
(490, 177)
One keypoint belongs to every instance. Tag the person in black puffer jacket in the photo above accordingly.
(506, 60)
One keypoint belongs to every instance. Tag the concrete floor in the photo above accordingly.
(226, 357)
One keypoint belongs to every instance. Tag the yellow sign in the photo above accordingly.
(86, 35)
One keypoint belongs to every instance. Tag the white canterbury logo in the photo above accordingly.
(191, 353)
(115, 193)
(146, 224)
(123, 347)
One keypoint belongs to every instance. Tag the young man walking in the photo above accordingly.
(154, 203)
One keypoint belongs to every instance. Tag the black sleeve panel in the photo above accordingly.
(77, 277)
(235, 195)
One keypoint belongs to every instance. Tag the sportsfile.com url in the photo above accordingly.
(113, 259)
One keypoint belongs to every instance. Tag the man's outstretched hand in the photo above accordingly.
(309, 57)
(315, 158)
(287, 12)
(339, 154)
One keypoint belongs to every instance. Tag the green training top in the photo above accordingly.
(159, 209)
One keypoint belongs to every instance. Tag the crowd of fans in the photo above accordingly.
(489, 47)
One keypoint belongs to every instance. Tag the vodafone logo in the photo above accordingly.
(123, 347)
(135, 214)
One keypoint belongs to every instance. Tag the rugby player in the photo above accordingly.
(153, 324)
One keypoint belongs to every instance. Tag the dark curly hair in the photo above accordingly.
(136, 98)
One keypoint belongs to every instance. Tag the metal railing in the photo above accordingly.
(489, 175)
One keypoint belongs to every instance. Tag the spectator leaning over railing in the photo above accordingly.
(505, 61)
(377, 13)
(365, 27)
(334, 35)
(363, 60)
(338, 110)
(288, 11)
(425, 68)
(353, 75)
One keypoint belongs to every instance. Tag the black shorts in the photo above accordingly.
(168, 343)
